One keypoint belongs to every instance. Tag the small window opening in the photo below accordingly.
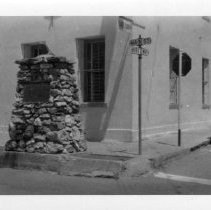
(31, 50)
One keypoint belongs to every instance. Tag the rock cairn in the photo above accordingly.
(53, 126)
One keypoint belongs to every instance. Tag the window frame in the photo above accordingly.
(80, 42)
(205, 84)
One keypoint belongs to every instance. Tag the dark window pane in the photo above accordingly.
(39, 49)
(87, 56)
(98, 55)
(87, 86)
(98, 86)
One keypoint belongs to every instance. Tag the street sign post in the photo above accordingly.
(179, 99)
(181, 67)
(136, 48)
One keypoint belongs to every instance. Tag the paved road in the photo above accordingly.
(196, 164)
(190, 170)
(193, 168)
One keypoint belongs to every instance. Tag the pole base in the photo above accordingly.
(179, 137)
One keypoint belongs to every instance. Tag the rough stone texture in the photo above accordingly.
(50, 126)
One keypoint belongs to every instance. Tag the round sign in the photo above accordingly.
(186, 64)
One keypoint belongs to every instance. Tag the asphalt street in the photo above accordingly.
(196, 164)
(187, 175)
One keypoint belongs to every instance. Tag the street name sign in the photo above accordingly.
(134, 50)
(145, 41)
(139, 51)
(144, 51)
(139, 42)
(134, 42)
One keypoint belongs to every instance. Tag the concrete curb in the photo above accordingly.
(68, 165)
(163, 159)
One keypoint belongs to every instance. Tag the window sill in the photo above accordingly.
(93, 104)
(205, 106)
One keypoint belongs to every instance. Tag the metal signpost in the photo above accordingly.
(179, 101)
(136, 45)
(181, 67)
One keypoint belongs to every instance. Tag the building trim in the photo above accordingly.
(131, 135)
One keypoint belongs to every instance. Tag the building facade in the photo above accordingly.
(108, 72)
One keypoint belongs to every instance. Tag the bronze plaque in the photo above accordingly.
(36, 92)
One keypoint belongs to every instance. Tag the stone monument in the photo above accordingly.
(45, 117)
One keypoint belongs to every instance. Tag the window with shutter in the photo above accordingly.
(94, 70)
(205, 83)
(173, 79)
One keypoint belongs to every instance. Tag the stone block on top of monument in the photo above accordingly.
(43, 116)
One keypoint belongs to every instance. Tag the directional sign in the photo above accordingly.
(142, 41)
(139, 51)
(145, 41)
(144, 51)
(134, 42)
(134, 50)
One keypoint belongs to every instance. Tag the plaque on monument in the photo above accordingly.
(36, 92)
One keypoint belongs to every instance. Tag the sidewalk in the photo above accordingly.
(152, 147)
(155, 151)
(111, 159)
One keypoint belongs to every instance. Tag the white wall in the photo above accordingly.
(191, 34)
